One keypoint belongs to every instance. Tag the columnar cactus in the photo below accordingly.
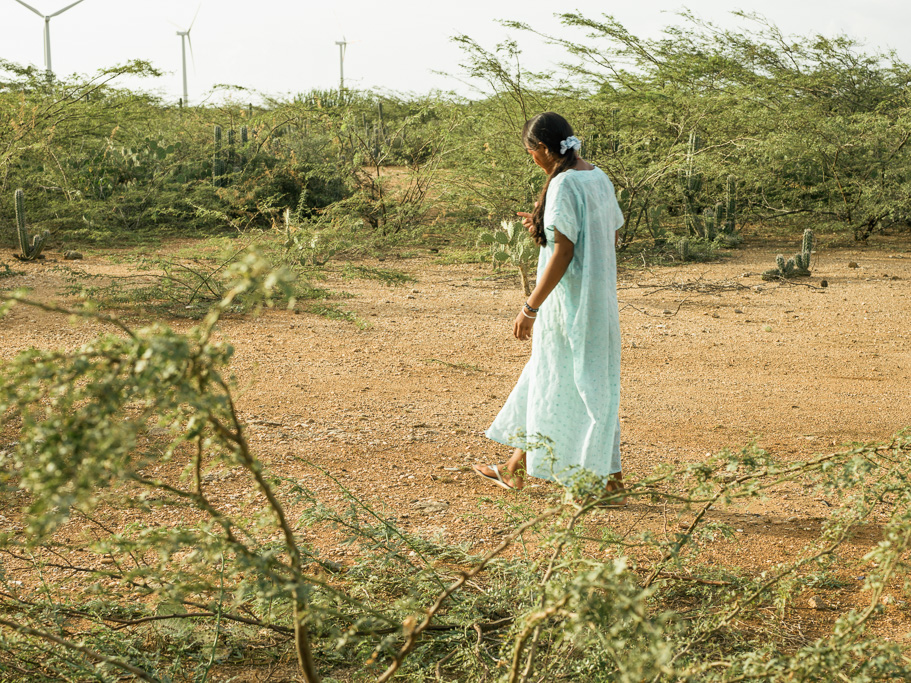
(614, 139)
(796, 266)
(244, 135)
(730, 211)
(218, 163)
(691, 184)
(683, 248)
(30, 250)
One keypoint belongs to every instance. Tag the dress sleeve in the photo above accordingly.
(563, 209)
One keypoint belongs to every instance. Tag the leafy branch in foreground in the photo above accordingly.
(161, 575)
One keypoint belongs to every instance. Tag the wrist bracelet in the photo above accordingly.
(533, 310)
(532, 317)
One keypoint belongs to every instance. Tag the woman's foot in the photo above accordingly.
(500, 475)
(509, 476)
(615, 491)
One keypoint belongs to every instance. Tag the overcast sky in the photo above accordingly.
(281, 47)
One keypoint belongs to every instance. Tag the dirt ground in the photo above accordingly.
(712, 357)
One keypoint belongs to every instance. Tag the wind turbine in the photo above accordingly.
(47, 32)
(184, 39)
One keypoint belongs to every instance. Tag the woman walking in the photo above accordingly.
(569, 392)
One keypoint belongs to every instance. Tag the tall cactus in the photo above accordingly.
(614, 138)
(691, 184)
(244, 135)
(30, 250)
(802, 260)
(730, 210)
(218, 163)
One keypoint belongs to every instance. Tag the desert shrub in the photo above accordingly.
(193, 582)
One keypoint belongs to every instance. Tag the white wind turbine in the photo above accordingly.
(184, 39)
(47, 32)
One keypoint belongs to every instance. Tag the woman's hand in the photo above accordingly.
(522, 327)
(526, 220)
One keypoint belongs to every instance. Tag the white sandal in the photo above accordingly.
(498, 480)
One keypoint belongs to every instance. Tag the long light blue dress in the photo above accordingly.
(569, 392)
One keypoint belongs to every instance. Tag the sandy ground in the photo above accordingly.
(713, 357)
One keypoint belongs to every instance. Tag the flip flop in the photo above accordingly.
(498, 480)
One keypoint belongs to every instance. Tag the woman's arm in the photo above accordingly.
(553, 273)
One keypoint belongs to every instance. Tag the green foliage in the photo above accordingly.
(511, 244)
(96, 423)
(811, 126)
(30, 250)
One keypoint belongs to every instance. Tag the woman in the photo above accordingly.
(569, 392)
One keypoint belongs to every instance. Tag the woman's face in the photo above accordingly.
(543, 157)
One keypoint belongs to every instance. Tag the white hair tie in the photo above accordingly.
(572, 142)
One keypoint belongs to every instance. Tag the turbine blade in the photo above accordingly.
(192, 56)
(65, 9)
(31, 8)
(194, 18)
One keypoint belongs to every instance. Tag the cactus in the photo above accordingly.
(614, 137)
(653, 223)
(730, 211)
(244, 135)
(218, 164)
(808, 242)
(691, 184)
(510, 243)
(683, 248)
(796, 266)
(30, 251)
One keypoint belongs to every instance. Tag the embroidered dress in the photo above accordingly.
(569, 391)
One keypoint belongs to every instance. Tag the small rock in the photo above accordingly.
(72, 256)
(817, 603)
(715, 315)
(330, 566)
(414, 291)
(738, 310)
(853, 264)
(824, 283)
(667, 311)
(429, 506)
(159, 431)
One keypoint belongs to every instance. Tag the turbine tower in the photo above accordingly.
(342, 44)
(184, 39)
(47, 32)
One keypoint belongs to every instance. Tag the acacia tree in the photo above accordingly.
(811, 126)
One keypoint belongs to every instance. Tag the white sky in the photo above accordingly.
(283, 47)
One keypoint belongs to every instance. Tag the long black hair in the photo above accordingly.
(548, 129)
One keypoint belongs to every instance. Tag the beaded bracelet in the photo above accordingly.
(533, 310)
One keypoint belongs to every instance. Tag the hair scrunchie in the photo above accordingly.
(572, 142)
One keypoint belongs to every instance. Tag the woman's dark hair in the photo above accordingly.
(548, 129)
